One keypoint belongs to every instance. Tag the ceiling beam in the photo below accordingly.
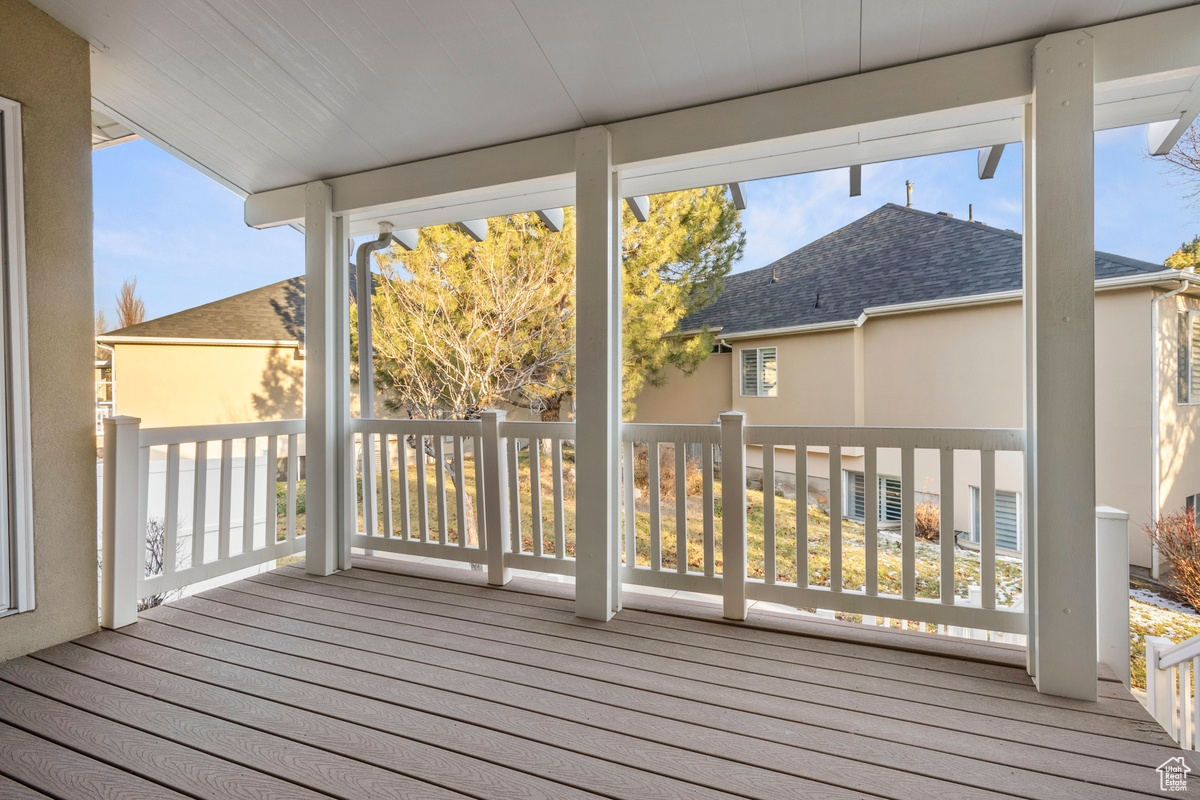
(738, 197)
(552, 218)
(477, 229)
(1162, 136)
(640, 206)
(926, 105)
(989, 159)
(856, 180)
(408, 239)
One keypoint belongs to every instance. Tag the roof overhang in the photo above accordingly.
(180, 340)
(1165, 279)
(1147, 70)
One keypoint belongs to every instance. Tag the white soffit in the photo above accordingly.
(263, 94)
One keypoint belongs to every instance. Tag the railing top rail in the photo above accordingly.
(537, 429)
(921, 438)
(655, 432)
(416, 427)
(1179, 653)
(152, 437)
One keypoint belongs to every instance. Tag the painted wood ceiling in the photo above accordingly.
(269, 93)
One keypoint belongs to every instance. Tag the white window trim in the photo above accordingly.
(1193, 391)
(774, 390)
(16, 487)
(976, 500)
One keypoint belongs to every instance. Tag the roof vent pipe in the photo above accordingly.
(774, 276)
(970, 212)
(908, 188)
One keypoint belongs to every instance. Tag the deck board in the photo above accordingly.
(397, 680)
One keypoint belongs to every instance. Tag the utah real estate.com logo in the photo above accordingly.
(1172, 775)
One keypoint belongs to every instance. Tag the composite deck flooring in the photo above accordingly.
(395, 680)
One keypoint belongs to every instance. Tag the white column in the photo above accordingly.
(1112, 590)
(326, 390)
(598, 367)
(1030, 507)
(494, 505)
(124, 534)
(733, 514)
(339, 282)
(1060, 297)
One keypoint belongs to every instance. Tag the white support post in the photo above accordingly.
(495, 497)
(1158, 684)
(1029, 563)
(323, 345)
(598, 360)
(1112, 590)
(343, 460)
(1060, 296)
(733, 514)
(123, 560)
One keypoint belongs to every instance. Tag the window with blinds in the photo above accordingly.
(760, 374)
(888, 508)
(1008, 519)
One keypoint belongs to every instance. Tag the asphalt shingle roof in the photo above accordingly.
(892, 256)
(272, 313)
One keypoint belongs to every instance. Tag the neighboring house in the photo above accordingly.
(237, 359)
(906, 318)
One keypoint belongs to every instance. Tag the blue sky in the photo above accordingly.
(182, 235)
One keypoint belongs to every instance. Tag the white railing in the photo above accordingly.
(1172, 687)
(203, 501)
(435, 475)
(501, 494)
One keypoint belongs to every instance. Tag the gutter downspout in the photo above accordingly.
(366, 350)
(1155, 430)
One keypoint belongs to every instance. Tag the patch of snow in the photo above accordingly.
(1150, 598)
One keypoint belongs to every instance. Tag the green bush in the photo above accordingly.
(281, 497)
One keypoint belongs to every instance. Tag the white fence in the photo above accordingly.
(213, 491)
(1172, 686)
(500, 494)
(532, 524)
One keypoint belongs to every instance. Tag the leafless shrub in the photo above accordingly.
(929, 520)
(1177, 540)
(666, 471)
(156, 545)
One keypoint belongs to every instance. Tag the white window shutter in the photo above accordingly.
(750, 373)
(1194, 357)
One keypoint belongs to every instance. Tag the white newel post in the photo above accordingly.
(1060, 370)
(123, 542)
(495, 497)
(598, 367)
(1158, 684)
(1112, 590)
(326, 385)
(733, 514)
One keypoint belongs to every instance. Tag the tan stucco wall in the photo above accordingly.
(693, 399)
(965, 367)
(1179, 422)
(1123, 410)
(180, 384)
(815, 380)
(45, 67)
(959, 367)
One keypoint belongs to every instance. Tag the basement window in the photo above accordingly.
(1008, 519)
(888, 508)
(16, 492)
(760, 372)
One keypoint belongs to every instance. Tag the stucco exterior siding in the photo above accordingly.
(1179, 420)
(695, 399)
(45, 68)
(964, 367)
(183, 384)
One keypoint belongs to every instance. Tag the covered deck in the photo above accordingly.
(397, 679)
